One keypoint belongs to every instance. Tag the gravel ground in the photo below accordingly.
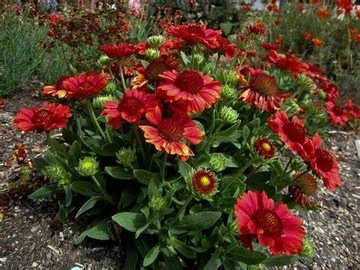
(31, 238)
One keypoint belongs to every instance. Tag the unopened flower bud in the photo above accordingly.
(306, 83)
(111, 87)
(152, 54)
(217, 162)
(156, 41)
(157, 204)
(88, 166)
(99, 101)
(228, 92)
(104, 60)
(229, 115)
(58, 174)
(126, 156)
(308, 249)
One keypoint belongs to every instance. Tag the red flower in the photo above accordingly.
(264, 148)
(85, 85)
(303, 189)
(353, 110)
(292, 133)
(337, 114)
(197, 34)
(151, 72)
(307, 35)
(257, 28)
(226, 47)
(261, 90)
(268, 46)
(274, 226)
(317, 42)
(120, 51)
(322, 162)
(48, 117)
(56, 90)
(287, 62)
(170, 134)
(191, 87)
(133, 105)
(204, 183)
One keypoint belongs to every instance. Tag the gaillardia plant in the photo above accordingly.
(195, 150)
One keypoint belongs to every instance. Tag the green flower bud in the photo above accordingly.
(229, 115)
(126, 156)
(111, 87)
(88, 166)
(306, 83)
(99, 101)
(152, 54)
(228, 92)
(156, 41)
(25, 173)
(157, 204)
(217, 162)
(198, 58)
(104, 60)
(308, 249)
(58, 174)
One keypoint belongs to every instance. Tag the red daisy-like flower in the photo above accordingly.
(197, 34)
(48, 117)
(303, 189)
(119, 51)
(322, 162)
(264, 148)
(291, 132)
(287, 62)
(337, 114)
(198, 91)
(261, 90)
(151, 72)
(204, 183)
(56, 90)
(273, 225)
(226, 47)
(133, 105)
(170, 134)
(258, 28)
(85, 85)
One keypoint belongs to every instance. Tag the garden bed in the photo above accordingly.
(32, 238)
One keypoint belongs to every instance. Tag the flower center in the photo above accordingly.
(189, 81)
(295, 132)
(324, 160)
(205, 181)
(269, 222)
(154, 69)
(307, 184)
(170, 130)
(131, 105)
(338, 111)
(263, 84)
(266, 146)
(42, 116)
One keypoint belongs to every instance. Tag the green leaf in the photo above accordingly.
(129, 221)
(132, 256)
(226, 27)
(185, 58)
(88, 205)
(197, 222)
(145, 177)
(119, 173)
(74, 154)
(151, 255)
(280, 260)
(68, 195)
(98, 232)
(43, 192)
(84, 188)
(109, 149)
(244, 255)
(184, 169)
(171, 260)
(245, 132)
(127, 197)
(153, 190)
(229, 135)
(214, 262)
(183, 248)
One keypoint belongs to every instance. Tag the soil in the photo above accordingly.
(32, 238)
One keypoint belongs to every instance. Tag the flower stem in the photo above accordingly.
(122, 77)
(163, 166)
(93, 119)
(183, 208)
(107, 197)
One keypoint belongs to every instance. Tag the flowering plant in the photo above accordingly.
(194, 148)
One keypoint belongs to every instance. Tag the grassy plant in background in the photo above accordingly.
(177, 144)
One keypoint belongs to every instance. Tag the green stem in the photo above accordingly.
(163, 166)
(106, 196)
(217, 63)
(183, 208)
(93, 119)
(139, 142)
(122, 77)
(242, 170)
